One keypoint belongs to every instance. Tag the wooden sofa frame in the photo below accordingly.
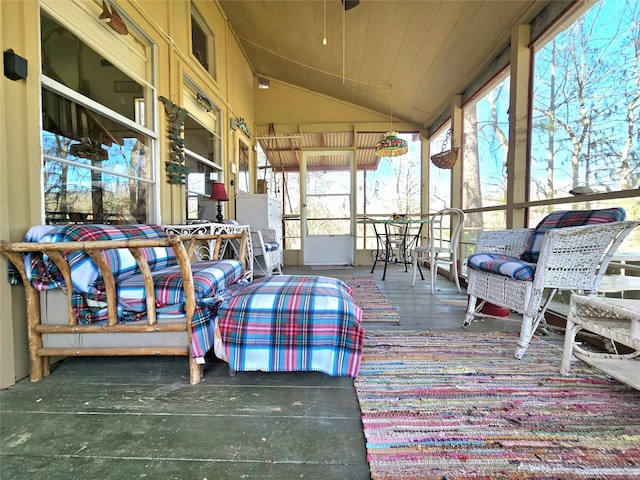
(184, 248)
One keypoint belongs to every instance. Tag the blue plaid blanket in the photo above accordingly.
(212, 279)
(293, 323)
(44, 275)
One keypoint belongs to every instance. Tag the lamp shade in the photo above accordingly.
(218, 192)
(391, 146)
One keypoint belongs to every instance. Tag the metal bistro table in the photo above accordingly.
(385, 230)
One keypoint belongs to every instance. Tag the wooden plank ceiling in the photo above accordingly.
(412, 56)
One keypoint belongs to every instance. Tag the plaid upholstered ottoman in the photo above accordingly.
(292, 323)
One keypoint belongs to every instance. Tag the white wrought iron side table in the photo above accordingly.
(617, 319)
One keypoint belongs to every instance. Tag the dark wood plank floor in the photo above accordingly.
(138, 417)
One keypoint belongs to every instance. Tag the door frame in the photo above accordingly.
(331, 249)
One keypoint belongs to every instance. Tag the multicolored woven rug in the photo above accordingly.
(443, 405)
(371, 300)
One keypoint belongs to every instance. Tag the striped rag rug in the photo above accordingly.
(367, 295)
(444, 405)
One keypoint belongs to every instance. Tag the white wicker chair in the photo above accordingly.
(442, 245)
(571, 258)
(267, 260)
(205, 251)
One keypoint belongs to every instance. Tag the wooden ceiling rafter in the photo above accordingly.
(295, 151)
(283, 151)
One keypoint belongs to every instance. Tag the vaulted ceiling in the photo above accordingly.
(404, 55)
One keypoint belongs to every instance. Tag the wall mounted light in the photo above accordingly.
(349, 4)
(204, 101)
(263, 83)
(15, 67)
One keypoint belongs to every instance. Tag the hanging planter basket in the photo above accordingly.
(446, 159)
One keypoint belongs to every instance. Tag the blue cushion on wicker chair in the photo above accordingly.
(503, 265)
(271, 246)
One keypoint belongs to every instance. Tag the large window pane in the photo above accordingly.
(439, 178)
(198, 189)
(585, 126)
(101, 174)
(198, 140)
(202, 148)
(244, 167)
(485, 146)
(97, 123)
(394, 187)
(67, 60)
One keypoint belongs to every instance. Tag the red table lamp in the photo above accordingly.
(219, 193)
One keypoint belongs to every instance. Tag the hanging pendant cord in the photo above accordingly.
(344, 14)
(391, 94)
(324, 23)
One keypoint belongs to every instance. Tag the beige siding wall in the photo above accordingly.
(167, 23)
(20, 161)
(234, 90)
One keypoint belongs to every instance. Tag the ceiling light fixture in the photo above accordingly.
(391, 145)
(324, 24)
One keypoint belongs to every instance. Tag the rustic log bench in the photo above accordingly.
(141, 290)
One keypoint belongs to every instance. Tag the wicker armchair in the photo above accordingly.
(267, 251)
(570, 258)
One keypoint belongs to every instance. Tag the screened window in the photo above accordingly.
(202, 42)
(392, 187)
(97, 164)
(284, 185)
(485, 146)
(585, 127)
(439, 178)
